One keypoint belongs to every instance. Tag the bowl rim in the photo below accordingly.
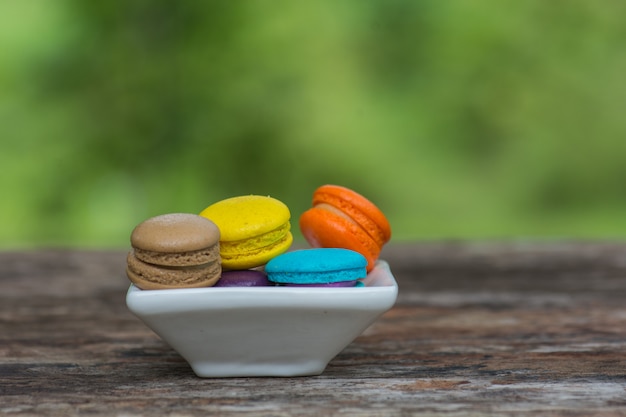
(380, 292)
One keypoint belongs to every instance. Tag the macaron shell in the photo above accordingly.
(340, 284)
(240, 218)
(325, 229)
(356, 206)
(174, 233)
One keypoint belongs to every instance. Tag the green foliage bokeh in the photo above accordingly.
(480, 119)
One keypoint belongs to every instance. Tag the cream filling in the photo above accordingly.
(364, 238)
(172, 274)
(198, 257)
(255, 244)
(335, 210)
(363, 222)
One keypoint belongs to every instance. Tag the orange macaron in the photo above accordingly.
(342, 218)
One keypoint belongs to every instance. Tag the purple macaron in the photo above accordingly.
(243, 278)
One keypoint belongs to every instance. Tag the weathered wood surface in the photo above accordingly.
(479, 329)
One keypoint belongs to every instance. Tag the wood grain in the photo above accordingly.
(499, 328)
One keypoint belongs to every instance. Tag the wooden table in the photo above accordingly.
(502, 328)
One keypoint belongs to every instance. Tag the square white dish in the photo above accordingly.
(263, 331)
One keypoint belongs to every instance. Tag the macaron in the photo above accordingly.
(243, 278)
(318, 267)
(343, 218)
(254, 229)
(176, 250)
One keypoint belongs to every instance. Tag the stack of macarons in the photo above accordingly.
(177, 250)
(245, 241)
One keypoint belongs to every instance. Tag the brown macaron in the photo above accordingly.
(177, 250)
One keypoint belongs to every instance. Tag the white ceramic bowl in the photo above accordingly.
(263, 331)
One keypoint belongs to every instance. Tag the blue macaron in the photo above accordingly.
(317, 267)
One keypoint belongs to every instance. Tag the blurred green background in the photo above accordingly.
(461, 119)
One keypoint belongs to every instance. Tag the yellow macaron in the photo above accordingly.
(253, 229)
